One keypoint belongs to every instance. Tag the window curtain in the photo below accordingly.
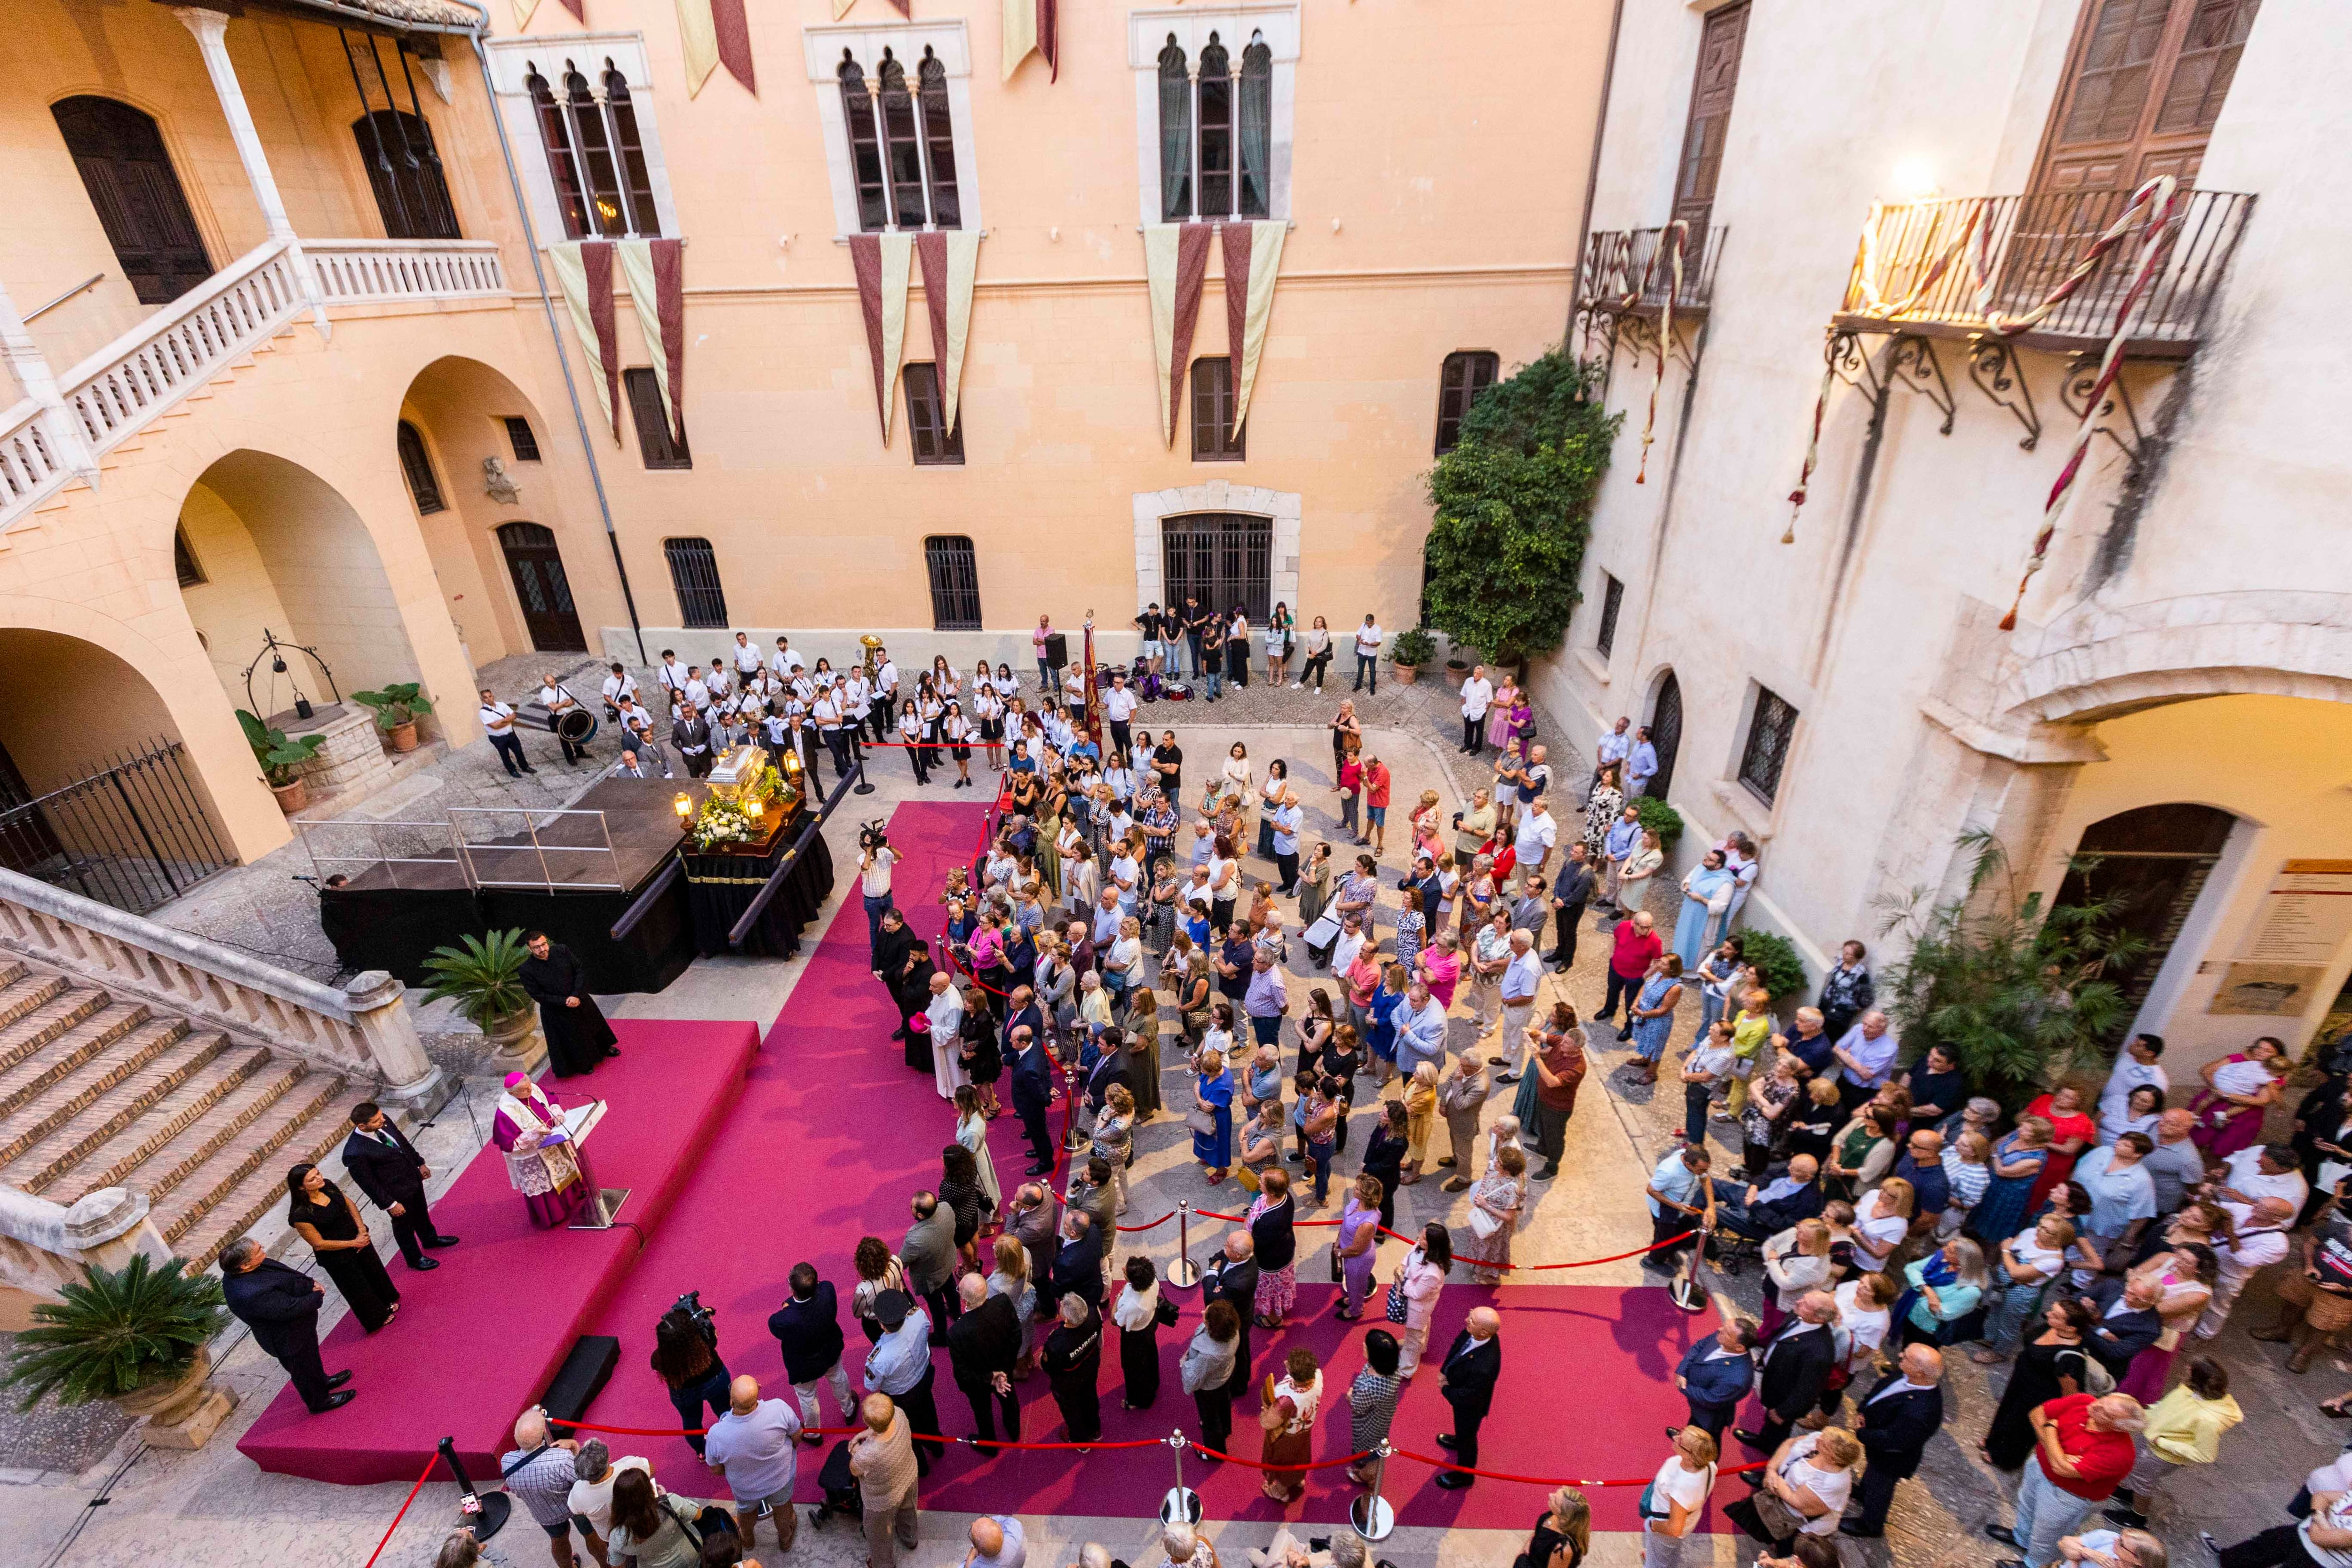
(1175, 137)
(1257, 132)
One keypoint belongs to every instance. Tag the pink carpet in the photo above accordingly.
(478, 1338)
(831, 1135)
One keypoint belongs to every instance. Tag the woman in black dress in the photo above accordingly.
(959, 1189)
(323, 1217)
(1343, 1058)
(1384, 1157)
(1563, 1536)
(2052, 1363)
(983, 1062)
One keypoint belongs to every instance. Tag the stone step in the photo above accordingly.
(96, 1060)
(26, 990)
(262, 1145)
(234, 1205)
(61, 1144)
(114, 1162)
(222, 1125)
(53, 1040)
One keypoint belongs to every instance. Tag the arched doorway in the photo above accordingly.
(2153, 862)
(537, 566)
(1665, 731)
(129, 176)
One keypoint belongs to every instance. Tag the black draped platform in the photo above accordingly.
(391, 916)
(719, 888)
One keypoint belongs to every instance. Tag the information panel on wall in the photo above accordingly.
(2307, 916)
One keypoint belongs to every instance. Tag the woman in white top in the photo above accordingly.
(1675, 1498)
(1881, 1220)
(1236, 778)
(2137, 1114)
(1319, 655)
(1866, 1316)
(957, 731)
(1422, 1275)
(1798, 1260)
(1277, 644)
(1269, 799)
(1094, 1005)
(1081, 878)
(989, 708)
(972, 1131)
(944, 680)
(1811, 1478)
(1122, 965)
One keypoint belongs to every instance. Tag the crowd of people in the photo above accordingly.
(1110, 949)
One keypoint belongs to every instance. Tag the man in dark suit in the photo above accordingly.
(1033, 1091)
(690, 733)
(389, 1170)
(281, 1306)
(1077, 1267)
(1761, 1209)
(808, 1328)
(1030, 1219)
(1715, 1374)
(1902, 1410)
(1795, 1365)
(982, 1349)
(1112, 1065)
(1473, 1365)
(2127, 1323)
(1232, 1278)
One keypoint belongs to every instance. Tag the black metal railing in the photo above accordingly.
(2028, 246)
(743, 927)
(134, 834)
(1625, 270)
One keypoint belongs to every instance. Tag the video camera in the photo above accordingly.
(872, 836)
(689, 1307)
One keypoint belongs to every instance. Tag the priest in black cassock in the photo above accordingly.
(578, 1037)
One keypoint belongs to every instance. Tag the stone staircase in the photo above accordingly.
(98, 1092)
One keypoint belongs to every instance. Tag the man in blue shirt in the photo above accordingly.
(1420, 1030)
(1810, 1045)
(899, 1365)
(1680, 1199)
(1285, 819)
(1641, 764)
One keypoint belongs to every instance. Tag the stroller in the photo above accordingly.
(841, 1498)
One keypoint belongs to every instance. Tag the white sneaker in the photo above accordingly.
(1297, 685)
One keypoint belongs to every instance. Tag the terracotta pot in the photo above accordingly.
(514, 1042)
(292, 797)
(1406, 674)
(170, 1402)
(404, 736)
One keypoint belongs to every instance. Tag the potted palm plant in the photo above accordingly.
(282, 758)
(136, 1336)
(484, 976)
(1412, 649)
(395, 708)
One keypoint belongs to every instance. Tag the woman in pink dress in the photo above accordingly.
(2071, 1132)
(1441, 967)
(2238, 1092)
(1498, 717)
(547, 1167)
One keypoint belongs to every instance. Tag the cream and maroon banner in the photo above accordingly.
(1175, 262)
(1030, 28)
(523, 9)
(655, 273)
(950, 260)
(883, 263)
(715, 33)
(583, 274)
(1253, 257)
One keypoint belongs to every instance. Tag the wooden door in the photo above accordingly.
(1712, 86)
(411, 194)
(2144, 85)
(2152, 862)
(1666, 732)
(130, 181)
(541, 587)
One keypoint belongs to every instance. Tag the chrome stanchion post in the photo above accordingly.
(1181, 1505)
(1685, 1292)
(1370, 1516)
(1183, 1271)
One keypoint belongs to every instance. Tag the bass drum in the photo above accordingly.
(577, 726)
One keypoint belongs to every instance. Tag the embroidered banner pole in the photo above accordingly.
(949, 259)
(1175, 264)
(883, 264)
(576, 266)
(715, 33)
(1253, 258)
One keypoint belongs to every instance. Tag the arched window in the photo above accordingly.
(596, 154)
(938, 142)
(901, 142)
(901, 145)
(1214, 143)
(423, 487)
(865, 147)
(562, 166)
(2147, 865)
(1175, 134)
(1256, 106)
(694, 572)
(628, 149)
(412, 195)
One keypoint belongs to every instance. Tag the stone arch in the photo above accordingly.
(2099, 662)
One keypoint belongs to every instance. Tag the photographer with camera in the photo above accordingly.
(685, 1358)
(875, 858)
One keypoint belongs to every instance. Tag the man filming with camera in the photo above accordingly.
(875, 858)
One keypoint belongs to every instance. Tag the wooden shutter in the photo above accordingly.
(1466, 373)
(2144, 85)
(654, 442)
(1214, 440)
(423, 487)
(932, 441)
(129, 176)
(1712, 86)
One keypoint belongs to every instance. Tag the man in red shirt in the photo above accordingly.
(1375, 805)
(1636, 942)
(2083, 1451)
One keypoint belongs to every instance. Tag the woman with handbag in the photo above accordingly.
(1206, 1374)
(1286, 1416)
(1139, 1314)
(652, 1527)
(1412, 1299)
(1384, 1156)
(1358, 1246)
(1496, 1203)
(1805, 1489)
(1113, 1138)
(1261, 1140)
(1675, 1498)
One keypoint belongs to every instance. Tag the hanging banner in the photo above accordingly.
(1253, 257)
(715, 33)
(579, 265)
(950, 260)
(883, 265)
(1029, 29)
(655, 273)
(1175, 263)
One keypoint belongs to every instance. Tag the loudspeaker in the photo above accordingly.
(1057, 649)
(582, 1377)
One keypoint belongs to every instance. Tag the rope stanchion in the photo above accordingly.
(430, 1466)
(1148, 1224)
(1370, 1516)
(1559, 1481)
(1207, 1452)
(1184, 1273)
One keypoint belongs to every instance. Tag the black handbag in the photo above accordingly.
(1164, 1314)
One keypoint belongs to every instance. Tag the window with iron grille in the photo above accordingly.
(1216, 131)
(184, 559)
(1467, 372)
(1214, 439)
(1767, 750)
(694, 572)
(927, 424)
(521, 437)
(1221, 560)
(596, 154)
(660, 447)
(423, 487)
(1612, 599)
(902, 158)
(955, 583)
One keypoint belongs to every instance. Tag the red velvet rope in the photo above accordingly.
(429, 1466)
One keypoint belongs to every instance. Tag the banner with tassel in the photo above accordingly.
(883, 264)
(1030, 28)
(715, 33)
(950, 260)
(583, 276)
(1253, 258)
(1676, 236)
(1175, 264)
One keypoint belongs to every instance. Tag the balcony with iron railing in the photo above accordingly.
(1630, 271)
(1960, 267)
